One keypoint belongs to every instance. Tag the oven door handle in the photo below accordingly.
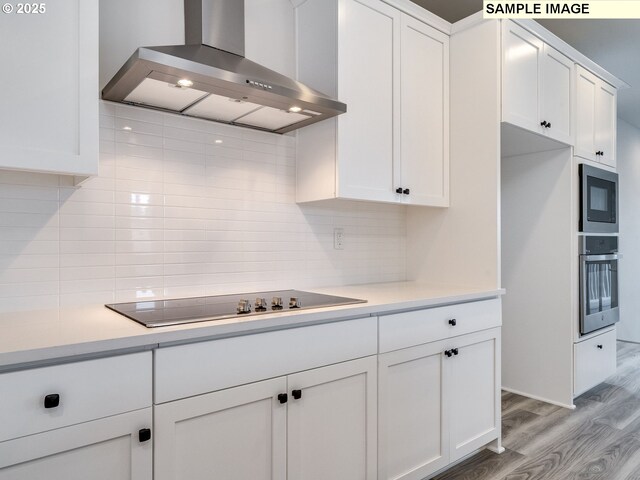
(601, 258)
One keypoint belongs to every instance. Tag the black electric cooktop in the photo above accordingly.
(160, 313)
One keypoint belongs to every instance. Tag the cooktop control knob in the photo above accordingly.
(276, 303)
(294, 302)
(244, 306)
(261, 304)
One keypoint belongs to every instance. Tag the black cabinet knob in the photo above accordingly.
(544, 124)
(453, 322)
(548, 124)
(297, 394)
(52, 400)
(399, 190)
(283, 397)
(455, 351)
(599, 347)
(144, 435)
(406, 191)
(448, 353)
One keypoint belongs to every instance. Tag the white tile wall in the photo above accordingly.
(183, 207)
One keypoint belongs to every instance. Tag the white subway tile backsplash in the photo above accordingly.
(182, 207)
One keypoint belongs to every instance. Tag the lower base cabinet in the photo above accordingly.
(105, 449)
(594, 360)
(316, 424)
(437, 403)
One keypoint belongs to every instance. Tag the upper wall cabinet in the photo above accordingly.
(537, 85)
(49, 93)
(392, 71)
(596, 118)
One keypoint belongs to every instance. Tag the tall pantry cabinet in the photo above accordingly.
(392, 71)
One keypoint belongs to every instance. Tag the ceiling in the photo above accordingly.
(613, 44)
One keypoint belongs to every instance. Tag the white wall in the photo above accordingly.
(172, 213)
(628, 153)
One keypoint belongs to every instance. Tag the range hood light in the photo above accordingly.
(295, 109)
(218, 141)
(185, 83)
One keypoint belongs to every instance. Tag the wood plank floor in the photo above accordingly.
(599, 440)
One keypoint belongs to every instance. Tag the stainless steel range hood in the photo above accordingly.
(210, 78)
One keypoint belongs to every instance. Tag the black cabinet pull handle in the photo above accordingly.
(52, 400)
(399, 190)
(283, 397)
(455, 351)
(406, 191)
(599, 347)
(144, 435)
(297, 394)
(448, 353)
(453, 322)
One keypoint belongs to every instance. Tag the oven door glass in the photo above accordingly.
(599, 292)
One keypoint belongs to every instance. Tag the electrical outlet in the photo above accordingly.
(338, 238)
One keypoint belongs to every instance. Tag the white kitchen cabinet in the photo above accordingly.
(538, 84)
(413, 423)
(437, 403)
(474, 395)
(392, 72)
(596, 110)
(49, 93)
(594, 361)
(85, 419)
(105, 449)
(316, 424)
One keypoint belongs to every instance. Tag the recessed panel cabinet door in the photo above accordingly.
(233, 434)
(49, 87)
(369, 46)
(587, 87)
(606, 113)
(557, 85)
(521, 76)
(425, 114)
(332, 425)
(473, 392)
(106, 449)
(413, 430)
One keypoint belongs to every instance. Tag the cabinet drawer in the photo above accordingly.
(594, 361)
(407, 329)
(187, 370)
(87, 390)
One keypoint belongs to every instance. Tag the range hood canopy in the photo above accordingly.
(210, 78)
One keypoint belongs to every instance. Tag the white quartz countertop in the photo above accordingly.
(45, 335)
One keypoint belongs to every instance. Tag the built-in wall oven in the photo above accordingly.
(598, 200)
(598, 282)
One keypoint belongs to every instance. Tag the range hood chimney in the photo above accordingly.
(210, 78)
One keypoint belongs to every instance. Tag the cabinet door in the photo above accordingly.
(605, 134)
(521, 77)
(332, 426)
(473, 392)
(556, 95)
(586, 92)
(106, 449)
(425, 114)
(368, 66)
(49, 96)
(413, 430)
(233, 434)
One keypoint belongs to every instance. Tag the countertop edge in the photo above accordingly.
(158, 337)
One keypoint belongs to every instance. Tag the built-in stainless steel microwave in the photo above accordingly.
(598, 200)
